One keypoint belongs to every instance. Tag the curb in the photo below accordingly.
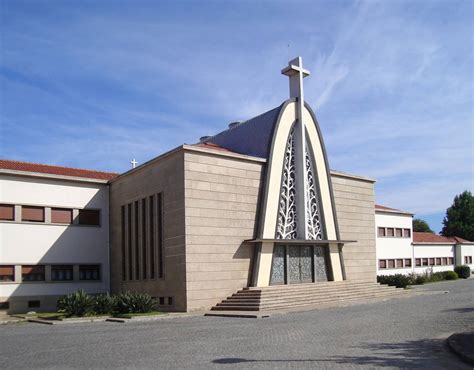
(462, 344)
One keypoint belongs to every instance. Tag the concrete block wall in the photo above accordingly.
(163, 175)
(355, 207)
(221, 212)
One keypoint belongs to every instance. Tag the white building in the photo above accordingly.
(54, 234)
(402, 251)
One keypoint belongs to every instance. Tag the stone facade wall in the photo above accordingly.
(355, 202)
(164, 175)
(221, 212)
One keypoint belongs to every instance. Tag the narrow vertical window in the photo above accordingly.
(124, 265)
(137, 243)
(129, 237)
(151, 210)
(144, 269)
(160, 236)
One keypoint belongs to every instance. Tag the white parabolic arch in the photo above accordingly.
(275, 162)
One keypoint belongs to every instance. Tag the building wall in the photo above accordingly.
(354, 199)
(29, 243)
(433, 251)
(393, 247)
(164, 175)
(221, 212)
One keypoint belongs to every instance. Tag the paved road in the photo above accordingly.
(400, 333)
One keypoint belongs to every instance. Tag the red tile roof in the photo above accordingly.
(55, 170)
(419, 237)
(378, 206)
(213, 146)
(384, 208)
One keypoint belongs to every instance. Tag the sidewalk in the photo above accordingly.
(463, 345)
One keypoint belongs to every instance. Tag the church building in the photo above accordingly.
(254, 211)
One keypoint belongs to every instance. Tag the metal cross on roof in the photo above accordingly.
(134, 163)
(296, 73)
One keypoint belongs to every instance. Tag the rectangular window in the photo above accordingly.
(390, 232)
(399, 263)
(151, 209)
(89, 272)
(382, 264)
(450, 261)
(438, 261)
(381, 231)
(432, 261)
(7, 212)
(129, 241)
(33, 214)
(124, 246)
(161, 257)
(32, 273)
(444, 261)
(34, 304)
(391, 264)
(468, 260)
(425, 261)
(407, 262)
(89, 217)
(61, 273)
(4, 305)
(417, 261)
(144, 259)
(137, 243)
(398, 233)
(61, 216)
(406, 233)
(7, 273)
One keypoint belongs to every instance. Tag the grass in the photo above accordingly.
(132, 315)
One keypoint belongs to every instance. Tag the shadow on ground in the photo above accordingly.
(410, 354)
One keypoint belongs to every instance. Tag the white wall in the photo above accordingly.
(433, 251)
(38, 243)
(393, 247)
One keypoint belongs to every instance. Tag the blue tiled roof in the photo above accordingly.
(252, 137)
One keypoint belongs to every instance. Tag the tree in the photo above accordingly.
(459, 219)
(422, 226)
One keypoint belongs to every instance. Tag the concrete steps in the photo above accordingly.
(297, 295)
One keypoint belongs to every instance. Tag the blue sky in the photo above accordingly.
(94, 84)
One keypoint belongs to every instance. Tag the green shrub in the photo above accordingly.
(397, 280)
(450, 275)
(76, 304)
(463, 271)
(103, 304)
(437, 276)
(129, 302)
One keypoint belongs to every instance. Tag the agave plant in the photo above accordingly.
(76, 304)
(129, 302)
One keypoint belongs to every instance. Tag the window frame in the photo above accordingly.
(383, 230)
(39, 267)
(3, 280)
(30, 219)
(89, 210)
(9, 206)
(60, 267)
(56, 209)
(90, 265)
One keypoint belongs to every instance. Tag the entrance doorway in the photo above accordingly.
(300, 264)
(293, 264)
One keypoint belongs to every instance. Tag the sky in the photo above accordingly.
(93, 84)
